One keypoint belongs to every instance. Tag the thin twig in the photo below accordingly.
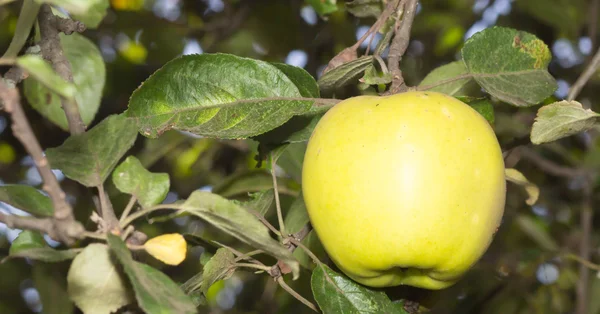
(582, 261)
(107, 210)
(53, 52)
(127, 209)
(264, 221)
(277, 202)
(584, 77)
(549, 166)
(94, 235)
(296, 295)
(399, 45)
(66, 229)
(593, 23)
(146, 211)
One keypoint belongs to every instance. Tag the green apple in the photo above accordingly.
(407, 189)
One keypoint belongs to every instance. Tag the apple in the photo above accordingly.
(407, 189)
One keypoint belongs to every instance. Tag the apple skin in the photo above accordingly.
(407, 189)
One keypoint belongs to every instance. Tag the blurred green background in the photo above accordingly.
(517, 274)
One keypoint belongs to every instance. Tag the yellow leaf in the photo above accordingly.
(514, 176)
(168, 248)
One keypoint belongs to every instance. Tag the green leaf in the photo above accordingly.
(537, 232)
(253, 181)
(27, 17)
(27, 240)
(373, 77)
(342, 295)
(51, 284)
(95, 283)
(94, 14)
(365, 8)
(297, 216)
(323, 7)
(260, 201)
(26, 198)
(155, 292)
(306, 84)
(510, 65)
(89, 76)
(41, 70)
(216, 95)
(238, 222)
(298, 129)
(88, 158)
(44, 254)
(561, 119)
(132, 178)
(219, 267)
(344, 74)
(292, 159)
(516, 177)
(481, 105)
(443, 74)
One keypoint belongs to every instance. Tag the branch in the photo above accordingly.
(44, 225)
(50, 28)
(584, 77)
(399, 45)
(586, 220)
(66, 228)
(549, 166)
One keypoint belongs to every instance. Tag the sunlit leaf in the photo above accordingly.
(323, 7)
(132, 178)
(260, 201)
(447, 73)
(344, 74)
(219, 267)
(27, 240)
(306, 84)
(253, 181)
(510, 65)
(89, 76)
(238, 222)
(51, 285)
(26, 198)
(365, 8)
(93, 16)
(76, 6)
(155, 292)
(216, 95)
(170, 248)
(95, 283)
(481, 105)
(561, 119)
(514, 176)
(339, 294)
(42, 71)
(27, 17)
(89, 158)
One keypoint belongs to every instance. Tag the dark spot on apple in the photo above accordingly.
(377, 105)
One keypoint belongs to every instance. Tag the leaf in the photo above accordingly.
(219, 267)
(95, 283)
(516, 177)
(170, 248)
(26, 198)
(155, 292)
(446, 72)
(51, 284)
(342, 295)
(26, 240)
(297, 216)
(26, 20)
(561, 119)
(238, 222)
(216, 95)
(306, 84)
(510, 65)
(536, 232)
(41, 70)
(132, 178)
(292, 159)
(298, 129)
(323, 7)
(344, 74)
(253, 181)
(75, 6)
(365, 8)
(88, 158)
(44, 254)
(94, 14)
(89, 77)
(481, 105)
(373, 77)
(260, 201)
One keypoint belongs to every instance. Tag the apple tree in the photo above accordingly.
(169, 182)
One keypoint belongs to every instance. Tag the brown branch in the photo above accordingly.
(549, 166)
(584, 77)
(50, 28)
(296, 295)
(585, 219)
(593, 23)
(399, 45)
(66, 228)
